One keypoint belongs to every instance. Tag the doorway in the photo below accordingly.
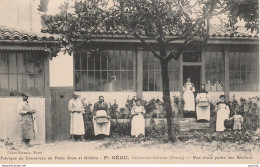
(194, 72)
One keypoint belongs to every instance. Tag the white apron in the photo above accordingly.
(222, 114)
(202, 112)
(188, 97)
(76, 119)
(101, 128)
(138, 121)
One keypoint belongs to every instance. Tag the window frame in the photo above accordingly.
(17, 73)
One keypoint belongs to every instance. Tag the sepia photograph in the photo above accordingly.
(129, 82)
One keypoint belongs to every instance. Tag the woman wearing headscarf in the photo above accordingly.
(138, 121)
(202, 104)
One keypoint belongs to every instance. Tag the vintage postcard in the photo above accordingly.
(129, 82)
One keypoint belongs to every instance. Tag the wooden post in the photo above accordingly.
(47, 99)
(203, 67)
(226, 73)
(140, 72)
(181, 75)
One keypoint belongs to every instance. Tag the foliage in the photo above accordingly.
(226, 136)
(161, 20)
(113, 110)
(120, 128)
(248, 10)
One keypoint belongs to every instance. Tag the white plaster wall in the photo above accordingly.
(10, 119)
(61, 71)
(121, 97)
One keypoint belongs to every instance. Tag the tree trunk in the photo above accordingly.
(167, 99)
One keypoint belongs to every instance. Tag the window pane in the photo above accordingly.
(214, 61)
(91, 81)
(124, 80)
(157, 65)
(77, 81)
(207, 60)
(123, 60)
(145, 81)
(191, 56)
(208, 76)
(152, 86)
(254, 62)
(237, 61)
(130, 81)
(231, 81)
(104, 81)
(13, 85)
(248, 81)
(12, 62)
(30, 84)
(117, 59)
(29, 63)
(145, 60)
(150, 61)
(237, 81)
(176, 83)
(117, 81)
(84, 60)
(97, 59)
(158, 81)
(130, 59)
(243, 81)
(111, 81)
(91, 61)
(248, 61)
(77, 61)
(39, 62)
(21, 62)
(84, 81)
(39, 85)
(243, 61)
(231, 61)
(97, 81)
(103, 62)
(4, 91)
(3, 63)
(111, 60)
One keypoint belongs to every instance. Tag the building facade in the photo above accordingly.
(24, 68)
(120, 68)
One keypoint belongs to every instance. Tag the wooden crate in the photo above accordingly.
(184, 125)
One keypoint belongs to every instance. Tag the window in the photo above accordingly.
(21, 73)
(152, 80)
(243, 71)
(107, 70)
(215, 71)
(191, 57)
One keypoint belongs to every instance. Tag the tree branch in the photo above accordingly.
(148, 46)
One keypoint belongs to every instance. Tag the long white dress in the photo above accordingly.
(203, 112)
(76, 119)
(138, 121)
(188, 97)
(222, 114)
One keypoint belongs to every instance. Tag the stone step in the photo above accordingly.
(199, 125)
(189, 119)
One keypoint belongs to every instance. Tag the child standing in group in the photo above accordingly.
(238, 121)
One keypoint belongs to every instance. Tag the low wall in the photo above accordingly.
(10, 119)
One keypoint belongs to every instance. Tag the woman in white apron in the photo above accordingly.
(188, 96)
(202, 105)
(101, 119)
(138, 121)
(222, 113)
